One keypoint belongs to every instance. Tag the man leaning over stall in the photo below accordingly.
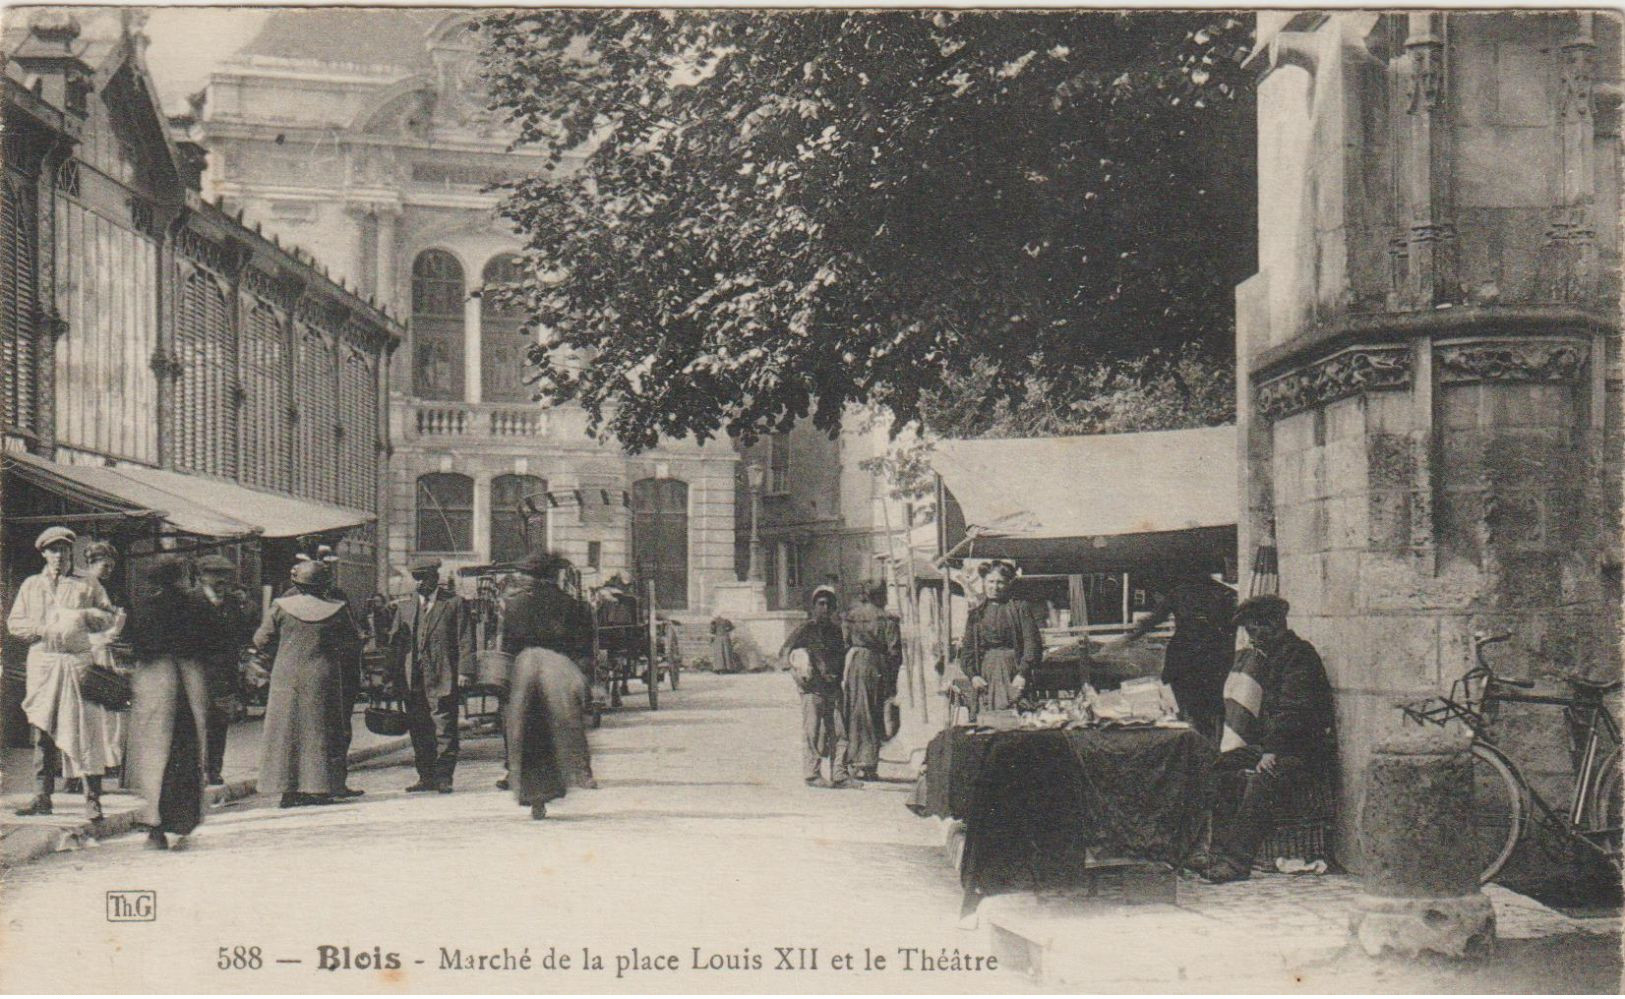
(1291, 744)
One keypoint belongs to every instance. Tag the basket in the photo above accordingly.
(491, 668)
(104, 686)
(386, 721)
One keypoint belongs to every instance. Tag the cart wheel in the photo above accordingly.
(672, 674)
(653, 678)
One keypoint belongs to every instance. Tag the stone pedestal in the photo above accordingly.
(1421, 893)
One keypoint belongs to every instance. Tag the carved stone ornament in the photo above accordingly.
(1511, 361)
(1427, 78)
(1355, 370)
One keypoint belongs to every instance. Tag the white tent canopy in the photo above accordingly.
(1093, 503)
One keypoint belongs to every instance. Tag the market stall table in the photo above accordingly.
(1037, 802)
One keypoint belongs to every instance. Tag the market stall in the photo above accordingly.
(1082, 771)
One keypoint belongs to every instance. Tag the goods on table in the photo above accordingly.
(1142, 701)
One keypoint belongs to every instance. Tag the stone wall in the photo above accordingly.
(1430, 404)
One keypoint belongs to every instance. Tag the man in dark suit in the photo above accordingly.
(432, 643)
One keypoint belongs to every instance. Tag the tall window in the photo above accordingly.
(315, 389)
(18, 301)
(445, 511)
(437, 326)
(502, 342)
(358, 445)
(266, 400)
(206, 347)
(778, 463)
(513, 532)
(660, 538)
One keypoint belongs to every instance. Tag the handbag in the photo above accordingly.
(106, 687)
(386, 721)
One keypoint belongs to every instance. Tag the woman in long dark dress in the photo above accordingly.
(1002, 643)
(315, 639)
(168, 708)
(547, 631)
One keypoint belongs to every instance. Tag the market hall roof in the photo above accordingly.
(1101, 501)
(190, 504)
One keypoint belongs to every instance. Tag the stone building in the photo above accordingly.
(169, 378)
(363, 135)
(1429, 367)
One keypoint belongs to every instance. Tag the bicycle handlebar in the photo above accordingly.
(1479, 641)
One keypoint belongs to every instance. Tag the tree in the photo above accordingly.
(776, 214)
(1149, 393)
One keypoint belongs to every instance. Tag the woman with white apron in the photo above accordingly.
(56, 612)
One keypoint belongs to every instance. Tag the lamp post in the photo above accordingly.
(754, 477)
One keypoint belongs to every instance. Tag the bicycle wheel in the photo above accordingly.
(1498, 811)
(1605, 806)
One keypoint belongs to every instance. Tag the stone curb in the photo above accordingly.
(23, 843)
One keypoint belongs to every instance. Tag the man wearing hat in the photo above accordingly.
(228, 622)
(431, 639)
(1291, 741)
(823, 710)
(55, 612)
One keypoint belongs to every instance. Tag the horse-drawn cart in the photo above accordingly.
(631, 641)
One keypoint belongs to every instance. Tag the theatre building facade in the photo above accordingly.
(170, 379)
(364, 136)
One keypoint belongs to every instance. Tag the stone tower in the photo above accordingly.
(1429, 365)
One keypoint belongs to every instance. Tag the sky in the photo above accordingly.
(188, 42)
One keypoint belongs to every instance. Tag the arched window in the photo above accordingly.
(445, 509)
(513, 531)
(660, 539)
(503, 342)
(437, 326)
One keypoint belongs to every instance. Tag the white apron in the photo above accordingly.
(82, 731)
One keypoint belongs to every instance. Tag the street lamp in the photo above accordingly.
(755, 475)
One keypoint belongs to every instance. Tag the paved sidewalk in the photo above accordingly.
(1270, 930)
(24, 839)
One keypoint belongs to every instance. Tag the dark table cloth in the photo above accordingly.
(1034, 801)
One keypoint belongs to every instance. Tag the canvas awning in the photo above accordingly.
(1093, 503)
(190, 504)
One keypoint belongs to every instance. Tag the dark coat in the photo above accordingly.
(826, 647)
(168, 696)
(538, 615)
(1296, 713)
(226, 631)
(315, 640)
(431, 653)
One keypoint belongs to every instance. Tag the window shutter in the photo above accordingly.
(18, 306)
(265, 457)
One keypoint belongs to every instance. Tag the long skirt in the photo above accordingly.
(999, 669)
(864, 694)
(168, 740)
(724, 657)
(304, 727)
(54, 705)
(547, 727)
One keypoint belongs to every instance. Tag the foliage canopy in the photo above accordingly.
(755, 216)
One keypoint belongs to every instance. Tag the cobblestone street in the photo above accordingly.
(693, 847)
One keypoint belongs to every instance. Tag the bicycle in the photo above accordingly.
(1505, 806)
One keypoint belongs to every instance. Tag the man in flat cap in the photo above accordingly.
(1291, 743)
(55, 612)
(431, 640)
(228, 619)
